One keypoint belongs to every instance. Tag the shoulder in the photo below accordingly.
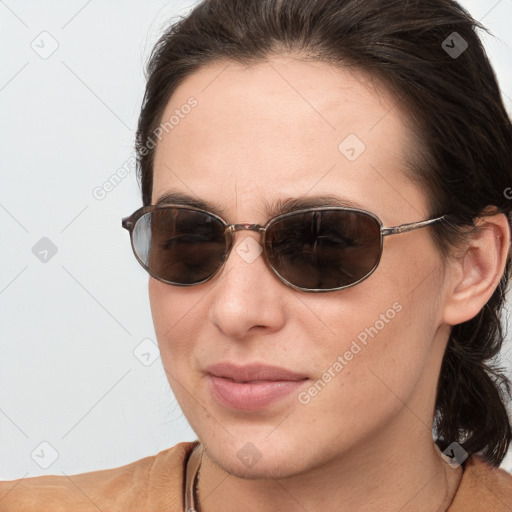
(145, 484)
(483, 488)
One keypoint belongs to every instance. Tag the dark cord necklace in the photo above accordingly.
(191, 502)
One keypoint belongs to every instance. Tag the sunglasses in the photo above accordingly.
(313, 250)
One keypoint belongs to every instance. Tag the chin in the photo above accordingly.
(265, 458)
(276, 468)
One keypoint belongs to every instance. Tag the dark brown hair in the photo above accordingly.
(462, 154)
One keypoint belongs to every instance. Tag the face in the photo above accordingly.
(363, 357)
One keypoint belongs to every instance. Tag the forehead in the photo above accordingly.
(278, 93)
(282, 127)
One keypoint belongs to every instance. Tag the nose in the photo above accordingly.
(247, 295)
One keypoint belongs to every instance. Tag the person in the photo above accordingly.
(326, 227)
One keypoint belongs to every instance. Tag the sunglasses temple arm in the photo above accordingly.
(403, 228)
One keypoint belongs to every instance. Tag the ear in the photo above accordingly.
(477, 270)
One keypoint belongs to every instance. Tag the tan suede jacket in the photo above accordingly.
(156, 483)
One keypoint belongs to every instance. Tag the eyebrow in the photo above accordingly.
(272, 209)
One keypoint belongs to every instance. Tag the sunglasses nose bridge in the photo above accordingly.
(245, 226)
(233, 228)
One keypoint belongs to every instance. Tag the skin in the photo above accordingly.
(271, 131)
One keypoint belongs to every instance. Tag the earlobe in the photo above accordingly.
(475, 275)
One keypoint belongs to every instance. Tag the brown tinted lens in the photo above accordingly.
(324, 249)
(179, 245)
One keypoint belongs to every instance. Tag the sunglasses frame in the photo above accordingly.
(129, 222)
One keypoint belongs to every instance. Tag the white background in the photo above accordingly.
(68, 374)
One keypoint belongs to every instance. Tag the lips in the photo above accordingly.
(253, 372)
(253, 386)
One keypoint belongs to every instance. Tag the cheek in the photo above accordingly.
(376, 341)
(365, 373)
(172, 311)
